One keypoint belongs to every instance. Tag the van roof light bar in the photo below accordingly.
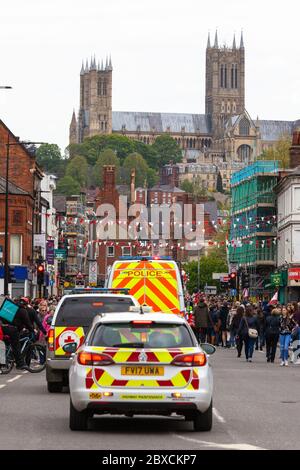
(99, 290)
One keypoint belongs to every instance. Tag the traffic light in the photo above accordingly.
(232, 280)
(11, 275)
(245, 280)
(40, 274)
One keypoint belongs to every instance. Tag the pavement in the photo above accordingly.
(256, 406)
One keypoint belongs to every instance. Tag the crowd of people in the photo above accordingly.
(34, 317)
(252, 326)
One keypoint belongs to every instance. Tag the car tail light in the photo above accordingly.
(94, 359)
(51, 339)
(190, 360)
(141, 322)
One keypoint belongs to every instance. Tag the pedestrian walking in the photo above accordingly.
(287, 324)
(201, 320)
(248, 331)
(224, 311)
(261, 321)
(230, 318)
(240, 311)
(272, 334)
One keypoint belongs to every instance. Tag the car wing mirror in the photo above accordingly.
(208, 348)
(70, 348)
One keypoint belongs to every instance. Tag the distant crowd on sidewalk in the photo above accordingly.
(252, 326)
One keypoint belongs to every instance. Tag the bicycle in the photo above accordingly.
(32, 353)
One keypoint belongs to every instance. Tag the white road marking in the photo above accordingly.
(2, 386)
(241, 446)
(218, 416)
(14, 378)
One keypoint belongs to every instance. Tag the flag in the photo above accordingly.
(274, 300)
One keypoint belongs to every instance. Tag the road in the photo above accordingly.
(256, 406)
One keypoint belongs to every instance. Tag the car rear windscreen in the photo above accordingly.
(80, 311)
(156, 335)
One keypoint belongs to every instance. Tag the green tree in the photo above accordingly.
(106, 157)
(167, 150)
(280, 152)
(92, 147)
(50, 159)
(208, 265)
(68, 186)
(136, 161)
(187, 186)
(77, 168)
(152, 177)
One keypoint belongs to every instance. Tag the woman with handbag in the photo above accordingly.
(248, 332)
(287, 323)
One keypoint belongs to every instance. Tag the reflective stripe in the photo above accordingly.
(160, 290)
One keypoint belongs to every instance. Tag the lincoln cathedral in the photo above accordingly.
(225, 136)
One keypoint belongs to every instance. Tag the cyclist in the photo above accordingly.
(32, 314)
(11, 332)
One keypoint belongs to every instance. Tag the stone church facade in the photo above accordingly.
(225, 136)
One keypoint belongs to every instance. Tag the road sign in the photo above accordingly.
(218, 276)
(93, 272)
(224, 278)
(60, 253)
(210, 290)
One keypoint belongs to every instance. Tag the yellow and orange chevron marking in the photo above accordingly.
(154, 284)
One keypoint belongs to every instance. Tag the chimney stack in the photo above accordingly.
(109, 178)
(295, 149)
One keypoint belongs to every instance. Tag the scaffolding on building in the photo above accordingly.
(252, 245)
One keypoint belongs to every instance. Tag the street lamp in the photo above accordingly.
(6, 264)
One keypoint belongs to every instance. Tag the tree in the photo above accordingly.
(67, 186)
(187, 186)
(106, 157)
(280, 152)
(167, 150)
(208, 264)
(136, 161)
(77, 168)
(152, 177)
(50, 159)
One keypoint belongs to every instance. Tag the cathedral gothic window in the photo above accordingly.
(244, 128)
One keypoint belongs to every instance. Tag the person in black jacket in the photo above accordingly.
(235, 326)
(33, 315)
(272, 334)
(248, 321)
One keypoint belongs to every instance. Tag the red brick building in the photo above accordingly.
(24, 207)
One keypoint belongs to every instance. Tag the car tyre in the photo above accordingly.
(203, 421)
(78, 419)
(54, 387)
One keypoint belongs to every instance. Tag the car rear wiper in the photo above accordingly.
(129, 345)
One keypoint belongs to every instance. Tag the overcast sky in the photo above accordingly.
(158, 53)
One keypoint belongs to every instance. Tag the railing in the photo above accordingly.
(259, 167)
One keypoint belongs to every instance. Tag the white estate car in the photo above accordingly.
(141, 363)
(71, 321)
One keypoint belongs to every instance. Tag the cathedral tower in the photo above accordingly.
(225, 83)
(95, 112)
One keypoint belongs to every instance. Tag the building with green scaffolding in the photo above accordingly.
(252, 240)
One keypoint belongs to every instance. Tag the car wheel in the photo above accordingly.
(54, 387)
(78, 419)
(203, 421)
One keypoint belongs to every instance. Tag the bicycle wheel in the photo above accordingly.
(7, 367)
(36, 358)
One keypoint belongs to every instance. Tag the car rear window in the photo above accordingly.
(76, 311)
(156, 335)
